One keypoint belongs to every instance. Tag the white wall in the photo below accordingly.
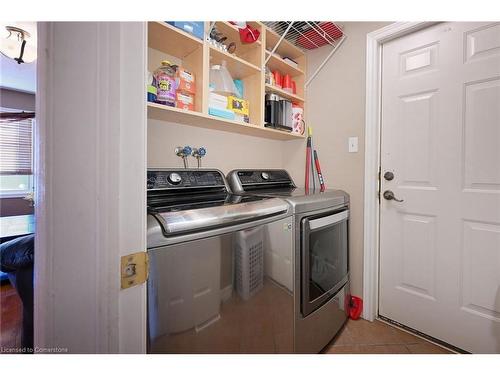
(225, 151)
(335, 109)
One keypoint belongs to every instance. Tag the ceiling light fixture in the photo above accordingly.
(14, 45)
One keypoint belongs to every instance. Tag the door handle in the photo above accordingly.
(389, 195)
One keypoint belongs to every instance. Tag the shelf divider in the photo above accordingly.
(283, 93)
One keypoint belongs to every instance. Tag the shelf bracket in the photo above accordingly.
(279, 42)
(308, 35)
(325, 61)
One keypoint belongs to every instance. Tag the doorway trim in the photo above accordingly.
(92, 155)
(374, 41)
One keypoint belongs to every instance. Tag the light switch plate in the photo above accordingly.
(353, 144)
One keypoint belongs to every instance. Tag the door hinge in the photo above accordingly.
(134, 269)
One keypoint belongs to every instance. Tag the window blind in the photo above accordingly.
(16, 155)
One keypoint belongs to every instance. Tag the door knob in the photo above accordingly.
(389, 176)
(389, 195)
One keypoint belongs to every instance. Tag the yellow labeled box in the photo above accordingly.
(237, 105)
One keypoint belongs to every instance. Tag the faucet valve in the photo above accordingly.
(198, 153)
(183, 152)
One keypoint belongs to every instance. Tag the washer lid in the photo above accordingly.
(240, 210)
(312, 200)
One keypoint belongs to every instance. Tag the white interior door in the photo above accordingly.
(440, 247)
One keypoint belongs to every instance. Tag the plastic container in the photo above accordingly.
(221, 81)
(151, 85)
(355, 307)
(298, 124)
(287, 83)
(249, 261)
(195, 28)
(278, 80)
(240, 86)
(165, 84)
(269, 77)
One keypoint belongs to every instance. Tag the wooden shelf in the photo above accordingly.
(171, 40)
(197, 119)
(250, 52)
(284, 94)
(285, 49)
(277, 63)
(238, 67)
(197, 56)
(230, 29)
(233, 35)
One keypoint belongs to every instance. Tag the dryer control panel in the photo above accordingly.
(246, 180)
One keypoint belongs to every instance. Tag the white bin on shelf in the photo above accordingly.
(249, 261)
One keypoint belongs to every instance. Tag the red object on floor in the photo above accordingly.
(311, 39)
(356, 307)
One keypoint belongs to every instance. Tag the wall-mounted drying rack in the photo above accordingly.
(307, 35)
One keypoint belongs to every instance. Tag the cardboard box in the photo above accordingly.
(184, 101)
(224, 113)
(195, 28)
(237, 105)
(217, 101)
(185, 81)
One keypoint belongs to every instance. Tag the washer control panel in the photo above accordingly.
(186, 178)
(174, 178)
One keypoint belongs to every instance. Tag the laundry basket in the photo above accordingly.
(249, 261)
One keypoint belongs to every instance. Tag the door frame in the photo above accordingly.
(110, 320)
(374, 42)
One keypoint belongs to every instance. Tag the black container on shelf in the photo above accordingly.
(272, 114)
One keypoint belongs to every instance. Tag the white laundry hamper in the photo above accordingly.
(249, 261)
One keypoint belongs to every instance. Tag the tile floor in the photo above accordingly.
(364, 337)
(357, 336)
